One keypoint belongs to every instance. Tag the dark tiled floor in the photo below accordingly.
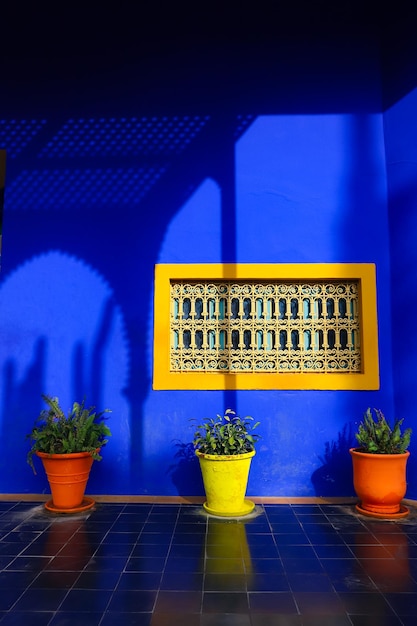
(160, 565)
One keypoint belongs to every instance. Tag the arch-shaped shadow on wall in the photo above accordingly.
(81, 329)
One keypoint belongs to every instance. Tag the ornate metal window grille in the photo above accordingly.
(253, 327)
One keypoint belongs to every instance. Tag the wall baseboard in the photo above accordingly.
(126, 499)
(36, 497)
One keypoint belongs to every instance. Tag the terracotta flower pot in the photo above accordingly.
(380, 482)
(67, 476)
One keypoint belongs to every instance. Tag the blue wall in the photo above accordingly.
(401, 150)
(252, 159)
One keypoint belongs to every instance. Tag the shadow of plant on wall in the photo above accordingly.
(334, 477)
(186, 473)
(76, 326)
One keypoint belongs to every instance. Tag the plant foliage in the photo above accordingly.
(82, 430)
(376, 436)
(227, 435)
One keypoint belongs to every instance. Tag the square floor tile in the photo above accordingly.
(28, 618)
(339, 551)
(178, 602)
(177, 619)
(158, 537)
(113, 549)
(222, 602)
(329, 620)
(286, 527)
(308, 566)
(111, 618)
(186, 539)
(188, 550)
(178, 581)
(309, 582)
(8, 597)
(258, 527)
(365, 552)
(407, 620)
(267, 582)
(275, 619)
(114, 538)
(326, 537)
(342, 567)
(404, 604)
(132, 601)
(28, 563)
(375, 620)
(281, 603)
(313, 519)
(319, 603)
(40, 599)
(225, 582)
(186, 527)
(17, 580)
(373, 603)
(15, 548)
(224, 551)
(291, 539)
(106, 564)
(86, 601)
(259, 566)
(296, 553)
(225, 566)
(139, 580)
(184, 564)
(130, 527)
(145, 564)
(359, 538)
(353, 582)
(263, 552)
(67, 563)
(55, 580)
(225, 619)
(97, 580)
(61, 618)
(260, 540)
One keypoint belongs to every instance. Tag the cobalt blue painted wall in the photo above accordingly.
(401, 150)
(275, 158)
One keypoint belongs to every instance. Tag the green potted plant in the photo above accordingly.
(225, 446)
(67, 445)
(379, 465)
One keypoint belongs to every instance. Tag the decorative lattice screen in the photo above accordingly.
(224, 326)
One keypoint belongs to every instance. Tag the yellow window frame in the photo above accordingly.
(363, 273)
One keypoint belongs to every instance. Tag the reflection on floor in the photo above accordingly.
(160, 565)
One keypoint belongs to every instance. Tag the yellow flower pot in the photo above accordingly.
(225, 480)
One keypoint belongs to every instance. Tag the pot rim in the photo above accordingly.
(225, 457)
(64, 455)
(373, 455)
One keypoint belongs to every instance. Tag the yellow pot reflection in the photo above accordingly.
(227, 556)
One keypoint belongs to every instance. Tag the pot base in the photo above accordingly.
(85, 505)
(247, 508)
(403, 512)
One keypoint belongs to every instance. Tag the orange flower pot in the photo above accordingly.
(67, 476)
(380, 483)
